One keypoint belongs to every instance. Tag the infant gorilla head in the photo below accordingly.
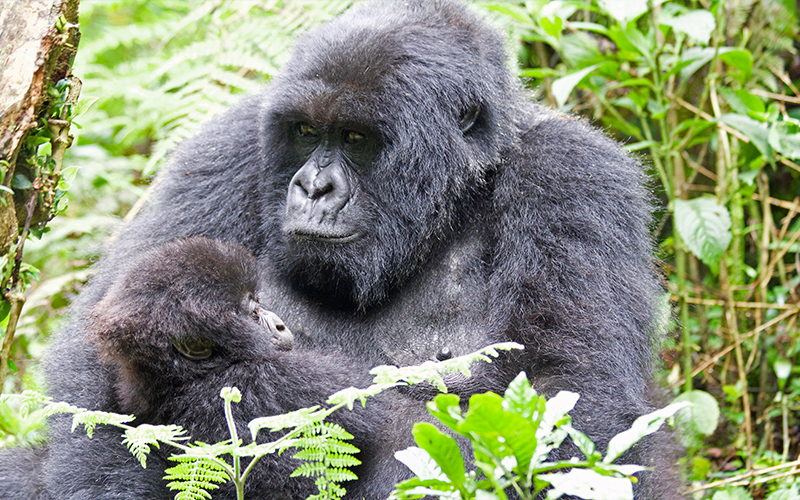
(179, 311)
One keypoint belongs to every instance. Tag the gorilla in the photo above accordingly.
(182, 322)
(404, 201)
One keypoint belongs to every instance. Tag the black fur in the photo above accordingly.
(200, 290)
(512, 223)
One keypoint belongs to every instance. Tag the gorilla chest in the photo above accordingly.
(441, 313)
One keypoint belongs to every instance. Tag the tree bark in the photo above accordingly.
(38, 41)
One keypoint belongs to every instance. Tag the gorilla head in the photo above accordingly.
(386, 125)
(179, 311)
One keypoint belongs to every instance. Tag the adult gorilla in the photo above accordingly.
(405, 202)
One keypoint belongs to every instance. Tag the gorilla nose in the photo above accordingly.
(318, 193)
(280, 336)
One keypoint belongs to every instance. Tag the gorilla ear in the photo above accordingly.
(469, 118)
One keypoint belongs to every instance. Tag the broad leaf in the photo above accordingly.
(443, 449)
(753, 129)
(702, 417)
(704, 226)
(626, 11)
(487, 418)
(420, 463)
(696, 24)
(563, 86)
(642, 426)
(784, 138)
(589, 485)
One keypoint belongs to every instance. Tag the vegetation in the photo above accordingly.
(511, 438)
(704, 92)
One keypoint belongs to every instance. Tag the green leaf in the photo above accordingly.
(194, 478)
(732, 493)
(638, 146)
(748, 177)
(487, 418)
(583, 442)
(624, 11)
(558, 406)
(443, 449)
(521, 398)
(740, 59)
(420, 463)
(644, 44)
(742, 101)
(786, 493)
(21, 182)
(563, 86)
(697, 57)
(696, 24)
(5, 308)
(537, 72)
(657, 111)
(702, 417)
(552, 27)
(704, 226)
(580, 49)
(447, 409)
(642, 426)
(754, 130)
(783, 140)
(589, 485)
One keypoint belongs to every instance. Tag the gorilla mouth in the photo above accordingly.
(322, 237)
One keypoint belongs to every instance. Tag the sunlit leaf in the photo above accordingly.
(563, 86)
(625, 11)
(697, 25)
(589, 485)
(704, 226)
(443, 449)
(642, 426)
(420, 463)
(703, 416)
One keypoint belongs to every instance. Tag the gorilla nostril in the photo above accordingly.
(444, 353)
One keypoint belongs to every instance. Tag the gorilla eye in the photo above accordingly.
(305, 130)
(194, 349)
(353, 137)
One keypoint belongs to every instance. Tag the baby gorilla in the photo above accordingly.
(182, 322)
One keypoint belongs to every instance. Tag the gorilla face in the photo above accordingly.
(323, 203)
(386, 133)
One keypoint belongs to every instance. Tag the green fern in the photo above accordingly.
(139, 439)
(326, 457)
(321, 445)
(189, 63)
(90, 418)
(193, 477)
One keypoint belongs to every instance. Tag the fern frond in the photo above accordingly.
(194, 478)
(90, 418)
(340, 475)
(309, 469)
(140, 439)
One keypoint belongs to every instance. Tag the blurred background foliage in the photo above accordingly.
(705, 92)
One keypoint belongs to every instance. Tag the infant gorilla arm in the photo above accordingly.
(183, 322)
